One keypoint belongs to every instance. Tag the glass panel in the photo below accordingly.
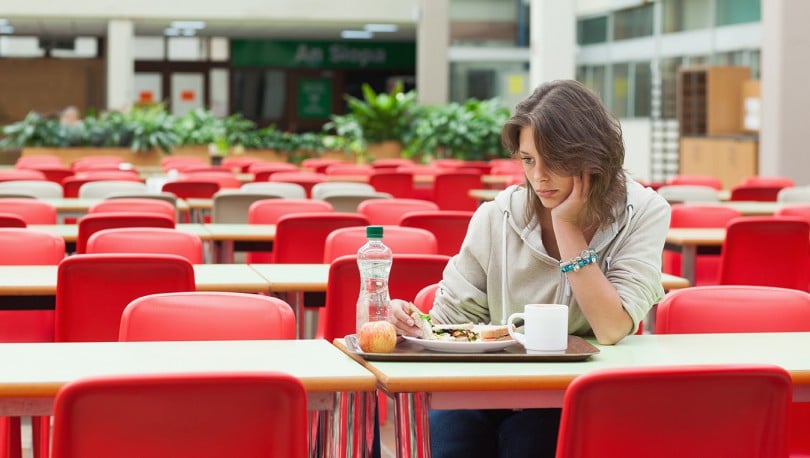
(187, 92)
(218, 88)
(186, 48)
(20, 47)
(148, 87)
(737, 11)
(633, 22)
(220, 49)
(679, 15)
(643, 90)
(669, 77)
(592, 30)
(149, 48)
(621, 86)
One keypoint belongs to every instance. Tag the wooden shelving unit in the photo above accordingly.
(710, 112)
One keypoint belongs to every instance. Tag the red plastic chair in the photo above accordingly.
(319, 164)
(301, 238)
(98, 159)
(757, 193)
(177, 162)
(707, 266)
(425, 297)
(53, 172)
(246, 415)
(676, 411)
(32, 211)
(239, 164)
(409, 274)
(783, 182)
(390, 211)
(202, 315)
(37, 159)
(192, 188)
(134, 204)
(449, 227)
(269, 211)
(401, 240)
(398, 184)
(92, 290)
(305, 179)
(767, 251)
(793, 211)
(92, 223)
(21, 174)
(348, 169)
(389, 163)
(263, 170)
(739, 308)
(12, 220)
(451, 190)
(712, 182)
(147, 240)
(225, 178)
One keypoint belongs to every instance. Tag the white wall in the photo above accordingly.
(637, 134)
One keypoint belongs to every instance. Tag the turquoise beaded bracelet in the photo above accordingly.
(584, 258)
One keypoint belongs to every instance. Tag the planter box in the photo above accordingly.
(268, 155)
(385, 150)
(149, 158)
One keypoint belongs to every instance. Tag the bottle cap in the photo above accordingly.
(374, 232)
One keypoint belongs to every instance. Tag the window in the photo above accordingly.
(592, 30)
(633, 22)
(593, 76)
(729, 12)
(680, 15)
(621, 89)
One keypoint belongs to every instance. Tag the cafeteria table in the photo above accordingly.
(331, 379)
(691, 241)
(453, 382)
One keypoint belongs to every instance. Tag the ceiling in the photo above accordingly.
(65, 28)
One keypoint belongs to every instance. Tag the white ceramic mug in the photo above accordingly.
(545, 328)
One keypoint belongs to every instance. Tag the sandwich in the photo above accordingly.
(422, 320)
(465, 332)
(493, 332)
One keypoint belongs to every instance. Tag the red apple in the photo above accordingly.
(377, 337)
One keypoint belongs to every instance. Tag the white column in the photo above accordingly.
(120, 64)
(432, 43)
(553, 41)
(785, 90)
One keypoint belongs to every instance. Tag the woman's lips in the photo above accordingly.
(546, 192)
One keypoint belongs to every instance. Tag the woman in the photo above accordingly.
(576, 201)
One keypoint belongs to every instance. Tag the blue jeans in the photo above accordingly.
(494, 433)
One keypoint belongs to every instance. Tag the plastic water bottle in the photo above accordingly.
(374, 261)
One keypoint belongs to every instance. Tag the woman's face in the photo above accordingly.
(550, 187)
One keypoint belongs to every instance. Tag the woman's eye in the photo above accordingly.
(527, 160)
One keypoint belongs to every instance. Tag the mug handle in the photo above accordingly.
(519, 336)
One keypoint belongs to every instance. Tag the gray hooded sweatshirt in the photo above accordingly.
(503, 265)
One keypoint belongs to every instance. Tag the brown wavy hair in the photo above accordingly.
(574, 134)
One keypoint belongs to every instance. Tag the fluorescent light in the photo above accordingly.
(356, 34)
(381, 27)
(6, 29)
(171, 32)
(196, 25)
(188, 32)
(3, 21)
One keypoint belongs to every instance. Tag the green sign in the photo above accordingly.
(323, 54)
(314, 98)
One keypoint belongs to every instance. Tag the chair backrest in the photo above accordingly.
(96, 159)
(409, 274)
(760, 180)
(326, 187)
(249, 415)
(319, 164)
(239, 164)
(675, 193)
(794, 194)
(676, 411)
(398, 184)
(147, 240)
(192, 188)
(348, 169)
(305, 179)
(102, 189)
(21, 174)
(53, 172)
(451, 190)
(225, 178)
(733, 308)
(262, 170)
(425, 297)
(35, 188)
(707, 266)
(795, 211)
(384, 212)
(347, 202)
(37, 159)
(231, 206)
(92, 290)
(283, 190)
(700, 180)
(32, 211)
(203, 315)
(72, 184)
(300, 238)
(758, 193)
(94, 222)
(17, 247)
(178, 161)
(269, 211)
(449, 227)
(12, 220)
(768, 251)
(401, 240)
(135, 204)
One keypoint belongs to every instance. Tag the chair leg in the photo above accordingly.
(41, 432)
(10, 440)
(382, 407)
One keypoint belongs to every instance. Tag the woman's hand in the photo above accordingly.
(401, 317)
(569, 210)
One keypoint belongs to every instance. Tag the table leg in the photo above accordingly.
(412, 426)
(224, 251)
(352, 428)
(688, 261)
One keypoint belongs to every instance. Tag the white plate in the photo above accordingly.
(449, 346)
